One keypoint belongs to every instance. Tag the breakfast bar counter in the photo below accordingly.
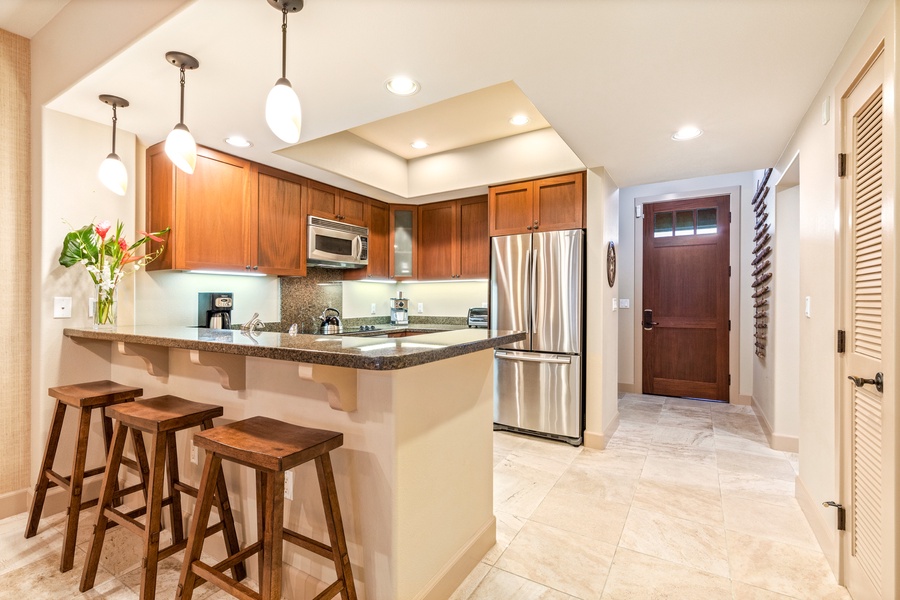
(415, 474)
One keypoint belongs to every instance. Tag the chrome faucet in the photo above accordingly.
(253, 325)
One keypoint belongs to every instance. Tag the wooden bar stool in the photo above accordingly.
(270, 447)
(160, 417)
(85, 397)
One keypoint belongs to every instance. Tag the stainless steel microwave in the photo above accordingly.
(336, 245)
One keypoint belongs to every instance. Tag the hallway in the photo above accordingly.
(687, 502)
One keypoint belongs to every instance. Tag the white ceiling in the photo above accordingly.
(614, 78)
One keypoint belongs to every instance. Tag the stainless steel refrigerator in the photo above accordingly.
(537, 286)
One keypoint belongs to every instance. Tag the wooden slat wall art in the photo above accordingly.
(762, 268)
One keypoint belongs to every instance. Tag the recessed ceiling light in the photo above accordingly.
(402, 85)
(238, 141)
(687, 132)
(419, 144)
(519, 120)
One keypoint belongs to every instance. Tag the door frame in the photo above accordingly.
(734, 287)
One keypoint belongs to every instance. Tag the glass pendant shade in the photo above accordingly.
(113, 175)
(182, 149)
(283, 112)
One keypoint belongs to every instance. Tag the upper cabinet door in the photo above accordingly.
(354, 209)
(438, 246)
(379, 244)
(213, 213)
(280, 239)
(323, 200)
(474, 240)
(559, 203)
(510, 208)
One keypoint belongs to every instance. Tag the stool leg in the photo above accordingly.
(140, 453)
(107, 439)
(40, 488)
(335, 526)
(260, 520)
(205, 494)
(175, 507)
(154, 516)
(238, 571)
(76, 487)
(273, 537)
(89, 571)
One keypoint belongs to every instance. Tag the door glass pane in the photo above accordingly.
(662, 225)
(403, 243)
(706, 221)
(684, 222)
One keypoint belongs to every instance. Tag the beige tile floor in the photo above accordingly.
(687, 502)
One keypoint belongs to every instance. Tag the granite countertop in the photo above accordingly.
(356, 352)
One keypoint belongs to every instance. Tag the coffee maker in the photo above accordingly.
(399, 310)
(214, 310)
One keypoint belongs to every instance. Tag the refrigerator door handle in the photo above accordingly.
(557, 360)
(532, 267)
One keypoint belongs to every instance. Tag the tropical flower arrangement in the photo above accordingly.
(107, 256)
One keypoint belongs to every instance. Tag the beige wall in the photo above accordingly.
(15, 293)
(439, 299)
(816, 143)
(602, 320)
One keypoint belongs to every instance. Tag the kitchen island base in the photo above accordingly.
(414, 476)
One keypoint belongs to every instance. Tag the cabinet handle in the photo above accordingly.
(247, 267)
(528, 228)
(536, 226)
(256, 267)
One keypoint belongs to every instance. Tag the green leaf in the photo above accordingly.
(77, 246)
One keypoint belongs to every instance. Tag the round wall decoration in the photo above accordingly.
(611, 264)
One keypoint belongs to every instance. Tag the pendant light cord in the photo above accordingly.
(181, 117)
(114, 129)
(284, 42)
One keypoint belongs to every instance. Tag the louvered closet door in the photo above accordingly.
(867, 414)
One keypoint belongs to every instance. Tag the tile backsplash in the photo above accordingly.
(304, 298)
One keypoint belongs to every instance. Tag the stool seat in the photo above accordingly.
(84, 397)
(95, 393)
(164, 413)
(270, 447)
(162, 418)
(268, 444)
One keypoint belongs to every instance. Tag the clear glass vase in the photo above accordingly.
(106, 308)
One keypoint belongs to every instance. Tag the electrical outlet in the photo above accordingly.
(624, 303)
(195, 454)
(288, 485)
(373, 308)
(484, 305)
(421, 307)
(62, 307)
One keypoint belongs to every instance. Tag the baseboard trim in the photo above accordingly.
(598, 441)
(743, 400)
(463, 562)
(785, 443)
(629, 388)
(13, 503)
(825, 533)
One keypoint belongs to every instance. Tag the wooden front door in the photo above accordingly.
(685, 303)
(868, 409)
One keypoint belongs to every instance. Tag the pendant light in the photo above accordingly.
(180, 145)
(282, 104)
(112, 171)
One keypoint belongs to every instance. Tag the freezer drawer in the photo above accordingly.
(538, 392)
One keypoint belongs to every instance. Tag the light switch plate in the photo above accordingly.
(806, 310)
(373, 308)
(62, 307)
(288, 485)
(421, 307)
(615, 305)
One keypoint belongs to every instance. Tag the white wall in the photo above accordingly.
(439, 299)
(602, 320)
(741, 187)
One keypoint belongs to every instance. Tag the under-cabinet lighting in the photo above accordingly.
(237, 273)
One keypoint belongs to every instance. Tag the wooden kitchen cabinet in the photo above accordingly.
(210, 212)
(453, 241)
(549, 204)
(379, 266)
(279, 238)
(335, 204)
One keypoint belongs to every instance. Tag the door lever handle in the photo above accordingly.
(878, 382)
